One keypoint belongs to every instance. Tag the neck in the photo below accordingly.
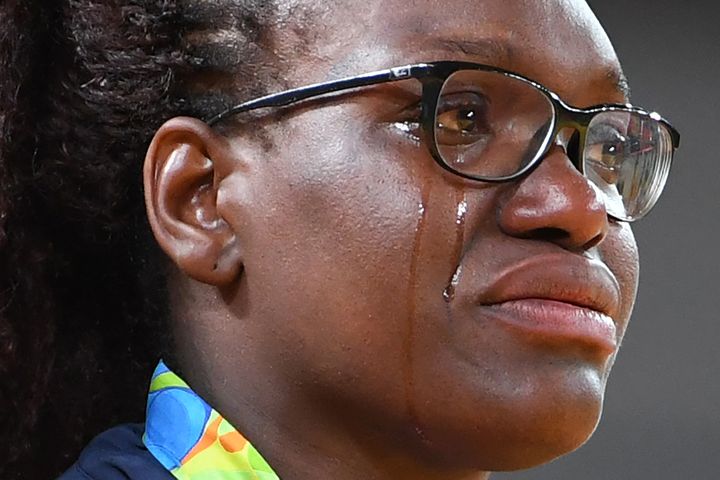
(308, 439)
(301, 435)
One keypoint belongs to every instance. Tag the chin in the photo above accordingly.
(542, 441)
(539, 439)
(515, 428)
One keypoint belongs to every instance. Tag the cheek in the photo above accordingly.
(330, 258)
(619, 251)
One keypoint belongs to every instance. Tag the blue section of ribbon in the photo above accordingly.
(176, 420)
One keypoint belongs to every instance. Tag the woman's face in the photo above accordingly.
(475, 322)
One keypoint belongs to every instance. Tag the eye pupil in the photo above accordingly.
(466, 120)
(461, 120)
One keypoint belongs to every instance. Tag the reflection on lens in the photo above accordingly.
(489, 125)
(627, 155)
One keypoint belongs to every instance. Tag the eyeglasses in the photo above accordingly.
(491, 125)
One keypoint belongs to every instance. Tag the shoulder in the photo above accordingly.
(118, 454)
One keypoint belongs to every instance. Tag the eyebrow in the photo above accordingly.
(499, 52)
(620, 81)
(496, 50)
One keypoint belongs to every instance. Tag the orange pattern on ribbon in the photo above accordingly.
(232, 442)
(206, 441)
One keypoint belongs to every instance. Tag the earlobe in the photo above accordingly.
(184, 166)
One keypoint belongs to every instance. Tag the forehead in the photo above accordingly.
(559, 43)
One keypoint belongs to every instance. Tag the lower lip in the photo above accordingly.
(555, 322)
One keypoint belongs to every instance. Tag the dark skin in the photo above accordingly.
(311, 263)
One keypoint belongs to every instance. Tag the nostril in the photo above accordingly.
(549, 234)
(594, 242)
(562, 237)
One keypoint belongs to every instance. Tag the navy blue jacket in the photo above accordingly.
(118, 454)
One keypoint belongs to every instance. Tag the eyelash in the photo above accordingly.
(410, 124)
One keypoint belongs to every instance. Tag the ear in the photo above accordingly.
(184, 165)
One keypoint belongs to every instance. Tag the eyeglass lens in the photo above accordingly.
(489, 125)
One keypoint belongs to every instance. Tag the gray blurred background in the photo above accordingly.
(662, 410)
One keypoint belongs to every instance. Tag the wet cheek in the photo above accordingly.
(336, 219)
(344, 184)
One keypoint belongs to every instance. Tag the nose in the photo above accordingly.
(556, 203)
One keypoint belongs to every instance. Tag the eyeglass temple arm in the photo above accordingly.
(298, 94)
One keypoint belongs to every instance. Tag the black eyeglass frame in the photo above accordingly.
(433, 76)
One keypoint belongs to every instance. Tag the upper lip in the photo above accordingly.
(564, 278)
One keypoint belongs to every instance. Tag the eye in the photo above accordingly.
(410, 123)
(462, 119)
(606, 149)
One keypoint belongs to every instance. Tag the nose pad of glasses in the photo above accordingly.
(569, 139)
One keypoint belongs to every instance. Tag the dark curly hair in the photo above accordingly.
(83, 86)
